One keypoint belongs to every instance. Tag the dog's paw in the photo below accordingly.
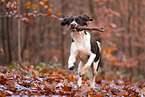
(93, 85)
(72, 67)
(81, 75)
(83, 72)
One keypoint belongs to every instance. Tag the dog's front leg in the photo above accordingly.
(71, 61)
(87, 65)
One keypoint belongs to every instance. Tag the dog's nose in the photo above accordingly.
(73, 26)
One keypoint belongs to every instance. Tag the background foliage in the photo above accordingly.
(42, 39)
(30, 33)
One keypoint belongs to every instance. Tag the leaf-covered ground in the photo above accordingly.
(51, 81)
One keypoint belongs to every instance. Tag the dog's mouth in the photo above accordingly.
(75, 29)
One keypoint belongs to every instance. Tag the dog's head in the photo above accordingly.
(75, 21)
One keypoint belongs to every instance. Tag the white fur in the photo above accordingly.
(81, 45)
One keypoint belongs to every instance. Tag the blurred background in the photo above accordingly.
(30, 32)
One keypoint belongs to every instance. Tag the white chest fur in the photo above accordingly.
(81, 45)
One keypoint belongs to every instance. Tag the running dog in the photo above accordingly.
(83, 46)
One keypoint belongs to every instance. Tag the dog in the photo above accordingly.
(83, 46)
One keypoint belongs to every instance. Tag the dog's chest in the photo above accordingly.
(81, 43)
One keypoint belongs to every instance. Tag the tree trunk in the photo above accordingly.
(26, 35)
(129, 30)
(139, 32)
(19, 36)
(92, 10)
(8, 40)
(3, 40)
(63, 10)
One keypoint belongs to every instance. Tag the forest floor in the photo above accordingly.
(53, 81)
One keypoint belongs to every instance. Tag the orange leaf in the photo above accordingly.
(104, 0)
(120, 94)
(58, 14)
(36, 5)
(8, 4)
(41, 3)
(28, 7)
(50, 10)
(15, 2)
(47, 15)
(46, 6)
(25, 20)
(18, 16)
(45, 0)
(28, 3)
(50, 5)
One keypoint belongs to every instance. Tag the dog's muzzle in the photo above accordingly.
(73, 26)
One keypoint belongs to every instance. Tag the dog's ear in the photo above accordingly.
(65, 21)
(86, 18)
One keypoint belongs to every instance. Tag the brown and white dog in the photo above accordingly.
(83, 46)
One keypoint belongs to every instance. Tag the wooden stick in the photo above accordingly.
(101, 29)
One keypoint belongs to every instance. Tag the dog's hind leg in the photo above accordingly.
(94, 72)
(80, 66)
(87, 65)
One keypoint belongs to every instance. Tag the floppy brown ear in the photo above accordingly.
(65, 21)
(86, 17)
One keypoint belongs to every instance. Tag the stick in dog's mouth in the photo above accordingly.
(100, 29)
